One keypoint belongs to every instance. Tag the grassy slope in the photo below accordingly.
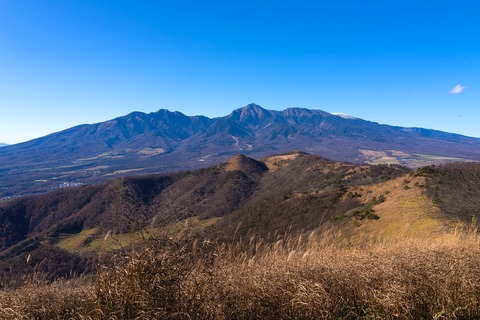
(406, 212)
(96, 241)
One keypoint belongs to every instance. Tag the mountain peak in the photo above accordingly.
(245, 164)
(253, 110)
(253, 107)
(167, 113)
(250, 113)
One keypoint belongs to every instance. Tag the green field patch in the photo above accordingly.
(91, 240)
(77, 242)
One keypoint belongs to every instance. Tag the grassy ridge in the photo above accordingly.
(308, 277)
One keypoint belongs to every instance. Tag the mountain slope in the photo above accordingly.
(132, 133)
(292, 193)
(155, 200)
(170, 141)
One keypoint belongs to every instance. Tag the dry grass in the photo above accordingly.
(74, 299)
(404, 212)
(430, 278)
(276, 162)
(309, 277)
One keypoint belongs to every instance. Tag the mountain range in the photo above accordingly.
(3, 144)
(165, 141)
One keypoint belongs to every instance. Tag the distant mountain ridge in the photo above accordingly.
(3, 144)
(166, 141)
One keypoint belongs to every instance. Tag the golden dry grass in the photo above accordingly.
(310, 277)
(404, 212)
(74, 299)
(276, 162)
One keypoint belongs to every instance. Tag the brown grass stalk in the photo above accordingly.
(308, 277)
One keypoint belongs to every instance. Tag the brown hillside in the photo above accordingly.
(455, 188)
(302, 194)
(292, 193)
(244, 164)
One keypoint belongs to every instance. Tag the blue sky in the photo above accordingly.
(406, 63)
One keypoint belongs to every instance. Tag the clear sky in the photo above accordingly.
(398, 62)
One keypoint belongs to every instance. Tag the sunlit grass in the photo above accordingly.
(308, 277)
(93, 240)
(404, 212)
(77, 242)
